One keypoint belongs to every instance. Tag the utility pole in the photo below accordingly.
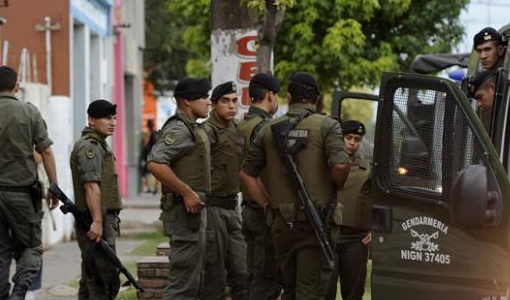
(47, 27)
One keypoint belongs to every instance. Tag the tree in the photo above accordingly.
(177, 43)
(345, 43)
(271, 13)
(350, 43)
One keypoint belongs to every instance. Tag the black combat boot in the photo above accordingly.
(18, 293)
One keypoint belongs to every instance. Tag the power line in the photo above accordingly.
(490, 3)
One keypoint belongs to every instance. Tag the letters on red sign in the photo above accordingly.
(247, 70)
(246, 46)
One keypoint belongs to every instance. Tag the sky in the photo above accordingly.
(480, 14)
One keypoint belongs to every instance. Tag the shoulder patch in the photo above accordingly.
(90, 152)
(170, 139)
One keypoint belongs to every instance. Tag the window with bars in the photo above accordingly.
(427, 141)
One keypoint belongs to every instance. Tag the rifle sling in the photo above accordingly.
(326, 211)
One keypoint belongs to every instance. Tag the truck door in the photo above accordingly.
(440, 213)
(360, 107)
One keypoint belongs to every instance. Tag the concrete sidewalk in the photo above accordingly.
(61, 265)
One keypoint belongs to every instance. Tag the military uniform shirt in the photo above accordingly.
(90, 157)
(355, 196)
(253, 112)
(257, 111)
(21, 128)
(333, 150)
(175, 139)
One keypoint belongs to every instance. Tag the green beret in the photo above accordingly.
(487, 34)
(264, 80)
(226, 88)
(101, 109)
(353, 127)
(192, 88)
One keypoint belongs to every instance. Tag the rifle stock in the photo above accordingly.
(280, 131)
(83, 221)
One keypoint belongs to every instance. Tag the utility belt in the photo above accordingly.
(16, 189)
(35, 190)
(252, 204)
(350, 230)
(104, 211)
(226, 202)
(112, 211)
(170, 199)
(288, 213)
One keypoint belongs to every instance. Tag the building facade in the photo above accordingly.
(94, 50)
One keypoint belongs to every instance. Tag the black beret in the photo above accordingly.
(228, 87)
(480, 79)
(353, 127)
(486, 35)
(264, 80)
(101, 109)
(305, 79)
(192, 88)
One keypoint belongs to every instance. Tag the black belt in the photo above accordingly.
(350, 230)
(113, 211)
(252, 204)
(16, 189)
(228, 202)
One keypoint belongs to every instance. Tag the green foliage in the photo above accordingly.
(260, 5)
(362, 111)
(176, 32)
(349, 43)
(345, 43)
(163, 45)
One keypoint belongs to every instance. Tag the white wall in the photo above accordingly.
(57, 112)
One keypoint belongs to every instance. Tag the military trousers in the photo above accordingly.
(187, 255)
(226, 255)
(262, 266)
(351, 266)
(101, 281)
(305, 272)
(20, 238)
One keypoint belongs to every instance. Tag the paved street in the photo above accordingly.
(62, 262)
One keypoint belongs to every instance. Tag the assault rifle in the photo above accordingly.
(280, 132)
(83, 221)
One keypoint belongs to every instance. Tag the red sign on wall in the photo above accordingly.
(246, 48)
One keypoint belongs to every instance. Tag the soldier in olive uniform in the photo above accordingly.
(262, 283)
(483, 88)
(226, 248)
(180, 160)
(21, 130)
(96, 191)
(323, 166)
(356, 201)
(489, 46)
